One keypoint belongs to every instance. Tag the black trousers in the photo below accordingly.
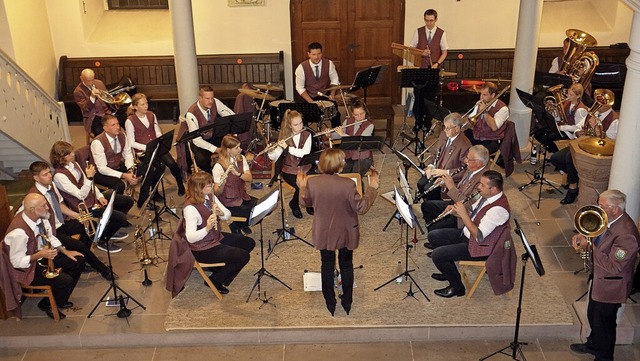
(243, 210)
(203, 158)
(121, 206)
(602, 319)
(63, 285)
(83, 245)
(432, 209)
(423, 184)
(168, 160)
(547, 138)
(491, 145)
(446, 256)
(235, 251)
(562, 160)
(113, 183)
(294, 203)
(345, 262)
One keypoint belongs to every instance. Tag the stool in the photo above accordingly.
(483, 264)
(199, 266)
(30, 291)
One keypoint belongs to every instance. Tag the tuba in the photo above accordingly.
(578, 63)
(590, 221)
(51, 271)
(553, 104)
(602, 97)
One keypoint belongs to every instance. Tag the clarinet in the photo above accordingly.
(440, 182)
(448, 212)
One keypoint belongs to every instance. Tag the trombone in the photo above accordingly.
(473, 119)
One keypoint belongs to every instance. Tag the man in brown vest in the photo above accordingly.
(93, 108)
(482, 229)
(490, 126)
(29, 254)
(315, 75)
(432, 39)
(202, 113)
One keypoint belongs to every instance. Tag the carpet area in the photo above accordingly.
(379, 252)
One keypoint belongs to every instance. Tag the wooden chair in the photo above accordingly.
(200, 267)
(44, 291)
(463, 271)
(494, 160)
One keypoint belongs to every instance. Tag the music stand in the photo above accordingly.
(263, 208)
(404, 184)
(548, 122)
(310, 112)
(102, 224)
(230, 124)
(410, 220)
(152, 159)
(156, 218)
(532, 254)
(424, 82)
(313, 159)
(368, 77)
(550, 79)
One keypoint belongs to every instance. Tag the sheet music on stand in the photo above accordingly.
(403, 208)
(264, 207)
(310, 111)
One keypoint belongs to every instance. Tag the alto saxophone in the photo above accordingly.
(51, 271)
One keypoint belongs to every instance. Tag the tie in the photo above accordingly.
(317, 71)
(448, 143)
(465, 179)
(207, 204)
(572, 110)
(56, 205)
(429, 37)
(115, 145)
(41, 230)
(208, 115)
(475, 210)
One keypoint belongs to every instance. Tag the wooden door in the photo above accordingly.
(355, 35)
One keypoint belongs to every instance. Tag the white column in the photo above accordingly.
(625, 168)
(524, 65)
(184, 49)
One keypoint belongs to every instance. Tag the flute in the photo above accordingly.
(450, 210)
(334, 129)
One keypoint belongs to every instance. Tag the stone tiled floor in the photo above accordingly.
(110, 338)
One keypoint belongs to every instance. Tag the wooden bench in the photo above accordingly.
(155, 77)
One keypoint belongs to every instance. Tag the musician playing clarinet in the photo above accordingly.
(357, 161)
(293, 143)
(451, 149)
(491, 124)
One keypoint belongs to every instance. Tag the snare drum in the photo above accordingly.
(327, 108)
(274, 115)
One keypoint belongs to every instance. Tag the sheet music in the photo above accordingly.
(403, 208)
(263, 207)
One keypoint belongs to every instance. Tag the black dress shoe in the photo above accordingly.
(68, 304)
(49, 312)
(310, 211)
(570, 197)
(438, 277)
(449, 292)
(331, 308)
(582, 348)
(246, 230)
(429, 245)
(346, 306)
(296, 212)
(429, 254)
(222, 289)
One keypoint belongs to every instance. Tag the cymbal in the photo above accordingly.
(268, 86)
(257, 94)
(597, 146)
(446, 74)
(337, 87)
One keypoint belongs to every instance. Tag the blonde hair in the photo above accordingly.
(195, 185)
(229, 141)
(134, 101)
(285, 128)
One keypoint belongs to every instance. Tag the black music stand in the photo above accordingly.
(550, 79)
(156, 211)
(230, 124)
(310, 112)
(549, 123)
(160, 146)
(424, 82)
(368, 77)
(405, 210)
(361, 143)
(123, 312)
(263, 208)
(532, 254)
(313, 159)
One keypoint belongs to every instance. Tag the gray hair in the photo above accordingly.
(615, 197)
(454, 118)
(481, 152)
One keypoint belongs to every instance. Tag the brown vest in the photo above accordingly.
(483, 249)
(23, 275)
(311, 84)
(606, 122)
(291, 162)
(354, 154)
(434, 45)
(482, 131)
(202, 121)
(70, 200)
(212, 238)
(143, 135)
(571, 116)
(234, 189)
(114, 160)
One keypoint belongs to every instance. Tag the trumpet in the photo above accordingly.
(142, 249)
(334, 129)
(450, 210)
(440, 181)
(474, 118)
(274, 145)
(51, 271)
(86, 218)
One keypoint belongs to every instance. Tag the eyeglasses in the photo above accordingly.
(450, 128)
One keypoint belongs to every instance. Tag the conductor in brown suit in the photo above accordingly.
(614, 256)
(337, 204)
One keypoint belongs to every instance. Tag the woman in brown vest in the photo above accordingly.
(142, 127)
(230, 175)
(293, 143)
(357, 162)
(201, 227)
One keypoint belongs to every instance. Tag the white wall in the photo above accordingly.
(6, 45)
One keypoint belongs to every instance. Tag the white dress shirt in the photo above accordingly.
(494, 217)
(295, 151)
(218, 171)
(131, 132)
(17, 241)
(300, 78)
(500, 117)
(443, 41)
(193, 125)
(62, 182)
(100, 158)
(611, 133)
(192, 220)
